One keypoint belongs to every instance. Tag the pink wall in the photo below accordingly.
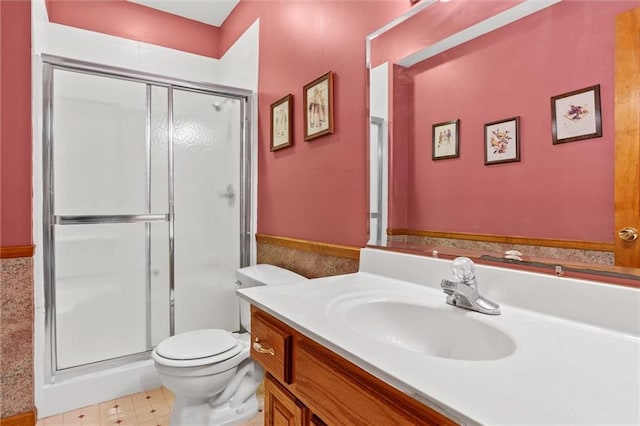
(136, 22)
(555, 191)
(15, 123)
(317, 190)
(314, 190)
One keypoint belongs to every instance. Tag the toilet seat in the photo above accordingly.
(197, 348)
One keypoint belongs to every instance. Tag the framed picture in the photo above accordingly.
(446, 140)
(281, 123)
(576, 115)
(502, 141)
(318, 107)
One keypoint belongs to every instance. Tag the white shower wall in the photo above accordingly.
(238, 68)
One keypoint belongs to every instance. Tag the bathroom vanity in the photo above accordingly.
(306, 383)
(382, 346)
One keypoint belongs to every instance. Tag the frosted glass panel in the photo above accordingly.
(207, 145)
(159, 158)
(99, 148)
(100, 292)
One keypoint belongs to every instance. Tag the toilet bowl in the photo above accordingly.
(209, 371)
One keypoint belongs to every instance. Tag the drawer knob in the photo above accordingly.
(261, 349)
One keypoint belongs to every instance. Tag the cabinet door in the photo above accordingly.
(280, 407)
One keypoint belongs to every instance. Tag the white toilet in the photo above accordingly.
(210, 371)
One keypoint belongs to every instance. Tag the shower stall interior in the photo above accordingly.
(146, 211)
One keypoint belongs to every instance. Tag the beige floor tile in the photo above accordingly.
(107, 408)
(158, 398)
(110, 417)
(150, 405)
(72, 418)
(139, 397)
(125, 403)
(164, 420)
(90, 416)
(144, 415)
(151, 413)
(53, 420)
(170, 397)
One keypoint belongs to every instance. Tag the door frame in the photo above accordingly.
(627, 136)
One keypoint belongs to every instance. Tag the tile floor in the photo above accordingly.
(150, 408)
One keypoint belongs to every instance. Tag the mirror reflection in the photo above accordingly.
(448, 62)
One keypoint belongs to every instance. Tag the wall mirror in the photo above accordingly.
(491, 66)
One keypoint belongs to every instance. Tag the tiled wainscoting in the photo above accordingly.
(150, 408)
(16, 336)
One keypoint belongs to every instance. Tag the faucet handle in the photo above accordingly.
(448, 286)
(463, 269)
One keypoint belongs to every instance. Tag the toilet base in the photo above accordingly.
(189, 412)
(227, 416)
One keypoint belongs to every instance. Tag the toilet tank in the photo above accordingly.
(262, 274)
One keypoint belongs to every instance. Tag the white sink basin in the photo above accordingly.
(443, 332)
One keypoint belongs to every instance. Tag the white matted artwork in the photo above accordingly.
(318, 107)
(576, 115)
(502, 141)
(281, 123)
(445, 141)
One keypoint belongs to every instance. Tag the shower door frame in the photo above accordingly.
(246, 97)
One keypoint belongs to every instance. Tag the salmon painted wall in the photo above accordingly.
(15, 123)
(556, 191)
(314, 190)
(137, 22)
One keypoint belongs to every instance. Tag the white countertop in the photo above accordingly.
(562, 372)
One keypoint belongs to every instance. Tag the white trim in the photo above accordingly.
(495, 22)
(399, 20)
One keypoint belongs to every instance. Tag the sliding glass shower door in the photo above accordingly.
(207, 131)
(144, 197)
(110, 216)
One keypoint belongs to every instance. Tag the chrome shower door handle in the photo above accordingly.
(229, 194)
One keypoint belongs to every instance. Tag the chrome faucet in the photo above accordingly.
(464, 291)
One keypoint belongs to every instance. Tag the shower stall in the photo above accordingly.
(146, 212)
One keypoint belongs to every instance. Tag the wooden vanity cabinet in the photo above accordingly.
(308, 384)
(282, 408)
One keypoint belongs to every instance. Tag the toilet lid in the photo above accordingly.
(197, 344)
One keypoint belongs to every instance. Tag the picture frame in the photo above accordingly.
(502, 141)
(282, 123)
(318, 107)
(576, 115)
(446, 140)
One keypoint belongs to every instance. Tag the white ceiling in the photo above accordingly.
(212, 12)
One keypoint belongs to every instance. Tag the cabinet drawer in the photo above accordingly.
(342, 393)
(271, 346)
(282, 408)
